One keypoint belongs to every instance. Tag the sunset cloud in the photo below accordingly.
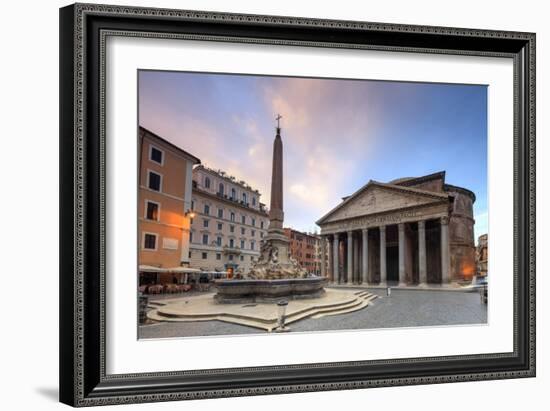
(337, 134)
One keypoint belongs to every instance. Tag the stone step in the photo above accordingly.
(268, 324)
(352, 306)
(312, 312)
(297, 314)
(358, 307)
(153, 315)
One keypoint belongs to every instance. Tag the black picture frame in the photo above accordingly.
(83, 29)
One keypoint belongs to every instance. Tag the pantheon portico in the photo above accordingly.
(408, 232)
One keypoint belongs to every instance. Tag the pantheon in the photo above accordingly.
(414, 231)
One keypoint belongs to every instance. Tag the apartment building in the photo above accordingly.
(229, 225)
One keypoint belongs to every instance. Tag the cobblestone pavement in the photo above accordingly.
(404, 308)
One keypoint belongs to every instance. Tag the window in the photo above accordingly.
(231, 243)
(243, 231)
(253, 200)
(262, 224)
(231, 257)
(205, 239)
(219, 241)
(204, 256)
(231, 228)
(189, 254)
(242, 244)
(152, 211)
(220, 226)
(261, 235)
(192, 205)
(242, 257)
(154, 181)
(205, 223)
(218, 256)
(243, 219)
(254, 222)
(221, 189)
(232, 216)
(233, 194)
(191, 237)
(220, 212)
(150, 241)
(206, 209)
(207, 182)
(253, 233)
(244, 198)
(252, 245)
(156, 155)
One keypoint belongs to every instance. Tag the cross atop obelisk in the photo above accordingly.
(278, 118)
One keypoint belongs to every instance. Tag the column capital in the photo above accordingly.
(421, 224)
(365, 230)
(401, 226)
(382, 228)
(350, 233)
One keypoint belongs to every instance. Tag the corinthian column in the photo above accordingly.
(365, 259)
(335, 270)
(323, 244)
(329, 257)
(422, 269)
(401, 247)
(445, 253)
(383, 275)
(349, 278)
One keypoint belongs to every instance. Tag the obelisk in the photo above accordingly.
(276, 214)
(275, 238)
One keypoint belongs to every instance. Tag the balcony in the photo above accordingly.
(231, 250)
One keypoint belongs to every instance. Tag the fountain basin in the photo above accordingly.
(266, 291)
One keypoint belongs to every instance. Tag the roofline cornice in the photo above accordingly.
(180, 151)
(228, 179)
(422, 179)
(462, 190)
(229, 202)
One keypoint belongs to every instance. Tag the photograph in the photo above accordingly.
(271, 204)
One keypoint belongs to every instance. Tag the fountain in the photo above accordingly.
(275, 275)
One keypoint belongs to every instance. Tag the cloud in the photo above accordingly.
(336, 134)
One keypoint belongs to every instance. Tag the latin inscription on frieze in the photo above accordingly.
(374, 221)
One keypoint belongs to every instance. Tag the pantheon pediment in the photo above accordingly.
(376, 198)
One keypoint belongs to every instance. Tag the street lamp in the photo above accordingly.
(190, 214)
(281, 308)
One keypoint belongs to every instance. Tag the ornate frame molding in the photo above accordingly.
(82, 294)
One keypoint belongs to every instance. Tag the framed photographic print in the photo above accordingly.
(262, 204)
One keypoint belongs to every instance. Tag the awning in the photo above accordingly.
(150, 269)
(176, 270)
(182, 270)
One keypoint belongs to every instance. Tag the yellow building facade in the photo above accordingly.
(164, 206)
